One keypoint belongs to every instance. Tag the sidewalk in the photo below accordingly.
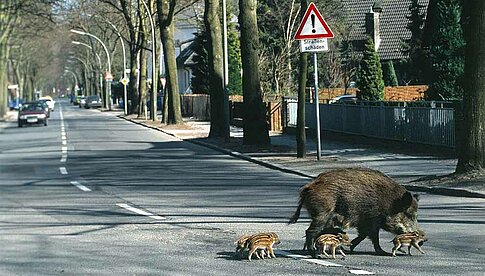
(405, 168)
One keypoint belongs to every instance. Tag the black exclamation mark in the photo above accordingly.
(313, 23)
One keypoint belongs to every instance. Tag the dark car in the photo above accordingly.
(93, 101)
(46, 107)
(32, 113)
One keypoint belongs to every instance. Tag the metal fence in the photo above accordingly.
(415, 124)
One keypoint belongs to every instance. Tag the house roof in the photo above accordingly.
(393, 23)
(185, 57)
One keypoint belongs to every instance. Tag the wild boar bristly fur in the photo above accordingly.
(359, 198)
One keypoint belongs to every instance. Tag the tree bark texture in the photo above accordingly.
(134, 48)
(255, 122)
(3, 79)
(213, 26)
(471, 149)
(165, 10)
(142, 95)
(302, 80)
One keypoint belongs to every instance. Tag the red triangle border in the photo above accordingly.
(313, 8)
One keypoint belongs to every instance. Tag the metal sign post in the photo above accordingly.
(317, 106)
(313, 33)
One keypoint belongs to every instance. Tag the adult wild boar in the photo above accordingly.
(361, 198)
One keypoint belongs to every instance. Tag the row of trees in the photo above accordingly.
(25, 27)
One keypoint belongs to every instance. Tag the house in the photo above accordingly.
(385, 21)
(186, 26)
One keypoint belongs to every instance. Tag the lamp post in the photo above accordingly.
(85, 75)
(99, 61)
(75, 79)
(125, 82)
(108, 81)
(153, 107)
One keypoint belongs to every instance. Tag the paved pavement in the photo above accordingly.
(413, 170)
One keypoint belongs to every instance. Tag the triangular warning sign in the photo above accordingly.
(313, 25)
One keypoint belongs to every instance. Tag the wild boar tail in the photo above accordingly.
(296, 216)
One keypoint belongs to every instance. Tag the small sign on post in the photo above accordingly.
(108, 76)
(314, 45)
(125, 81)
(313, 33)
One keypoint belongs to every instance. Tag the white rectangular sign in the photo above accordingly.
(314, 45)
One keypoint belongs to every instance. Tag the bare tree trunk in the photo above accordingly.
(300, 123)
(142, 95)
(174, 110)
(213, 26)
(165, 11)
(471, 148)
(255, 123)
(3, 79)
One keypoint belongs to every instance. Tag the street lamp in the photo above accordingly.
(86, 69)
(75, 79)
(153, 108)
(108, 81)
(99, 61)
(125, 83)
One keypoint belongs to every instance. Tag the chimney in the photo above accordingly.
(372, 23)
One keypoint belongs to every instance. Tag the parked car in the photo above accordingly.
(344, 99)
(46, 107)
(93, 101)
(50, 102)
(82, 101)
(15, 104)
(76, 99)
(32, 113)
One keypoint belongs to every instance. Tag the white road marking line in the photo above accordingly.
(63, 170)
(64, 142)
(80, 186)
(361, 272)
(306, 258)
(139, 211)
(321, 262)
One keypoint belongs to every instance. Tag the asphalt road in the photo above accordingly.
(92, 194)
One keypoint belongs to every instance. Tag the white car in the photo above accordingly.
(49, 101)
(344, 99)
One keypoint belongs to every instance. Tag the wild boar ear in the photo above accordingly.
(403, 203)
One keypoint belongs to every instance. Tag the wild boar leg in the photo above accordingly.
(316, 226)
(310, 237)
(342, 253)
(333, 251)
(416, 245)
(374, 236)
(356, 241)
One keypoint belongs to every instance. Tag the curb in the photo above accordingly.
(225, 151)
(444, 191)
(413, 188)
